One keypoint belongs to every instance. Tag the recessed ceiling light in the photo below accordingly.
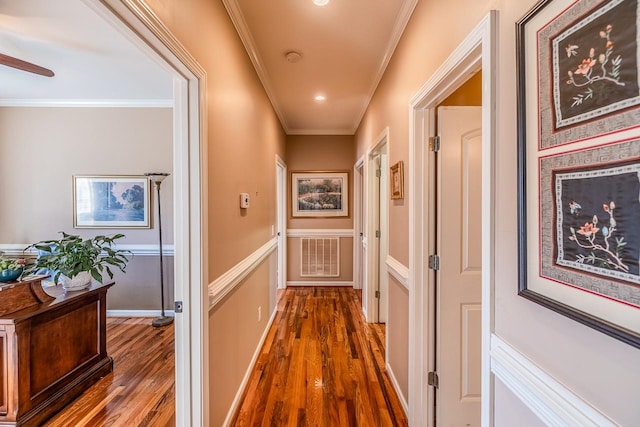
(321, 2)
(320, 98)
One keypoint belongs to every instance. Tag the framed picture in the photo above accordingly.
(319, 194)
(111, 202)
(579, 162)
(397, 180)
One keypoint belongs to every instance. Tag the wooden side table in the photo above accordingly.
(52, 348)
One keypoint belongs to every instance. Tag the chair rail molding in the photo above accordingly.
(224, 284)
(552, 402)
(320, 232)
(398, 271)
(136, 250)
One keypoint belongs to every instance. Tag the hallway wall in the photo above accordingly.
(574, 355)
(243, 138)
(326, 153)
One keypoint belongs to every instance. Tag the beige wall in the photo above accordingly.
(327, 153)
(244, 136)
(398, 322)
(577, 356)
(40, 151)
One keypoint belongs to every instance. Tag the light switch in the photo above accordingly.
(244, 200)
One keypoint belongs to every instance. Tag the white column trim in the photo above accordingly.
(398, 271)
(320, 232)
(552, 402)
(224, 284)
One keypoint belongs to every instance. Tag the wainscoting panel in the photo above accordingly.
(552, 402)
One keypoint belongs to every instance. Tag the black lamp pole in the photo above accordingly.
(157, 178)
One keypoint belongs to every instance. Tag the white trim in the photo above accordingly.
(139, 313)
(398, 271)
(477, 51)
(319, 283)
(237, 17)
(88, 103)
(551, 401)
(396, 386)
(140, 24)
(358, 223)
(281, 221)
(224, 284)
(136, 250)
(320, 232)
(245, 380)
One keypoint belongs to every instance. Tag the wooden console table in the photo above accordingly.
(52, 348)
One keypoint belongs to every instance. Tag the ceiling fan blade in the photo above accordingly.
(10, 61)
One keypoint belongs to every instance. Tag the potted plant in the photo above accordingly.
(76, 261)
(10, 269)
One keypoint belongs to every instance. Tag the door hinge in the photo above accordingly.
(177, 307)
(377, 233)
(432, 379)
(434, 144)
(434, 262)
(378, 173)
(377, 294)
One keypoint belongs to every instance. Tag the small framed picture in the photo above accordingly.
(111, 202)
(397, 180)
(319, 194)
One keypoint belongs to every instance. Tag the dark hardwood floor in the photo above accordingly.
(140, 391)
(321, 365)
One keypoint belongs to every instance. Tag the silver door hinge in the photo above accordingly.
(377, 233)
(177, 307)
(434, 262)
(432, 379)
(377, 294)
(378, 173)
(434, 144)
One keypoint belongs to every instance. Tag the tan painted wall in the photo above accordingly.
(398, 322)
(577, 356)
(42, 148)
(327, 153)
(244, 135)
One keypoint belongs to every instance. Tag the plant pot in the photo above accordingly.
(9, 275)
(78, 282)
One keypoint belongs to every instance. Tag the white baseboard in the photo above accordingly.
(396, 386)
(245, 380)
(551, 401)
(318, 283)
(139, 313)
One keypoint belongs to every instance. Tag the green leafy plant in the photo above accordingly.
(72, 255)
(11, 264)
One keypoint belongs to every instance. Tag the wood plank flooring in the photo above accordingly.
(140, 391)
(321, 365)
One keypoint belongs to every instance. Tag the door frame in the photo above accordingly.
(358, 224)
(141, 26)
(281, 221)
(477, 52)
(374, 267)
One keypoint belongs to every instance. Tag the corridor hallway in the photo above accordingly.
(321, 365)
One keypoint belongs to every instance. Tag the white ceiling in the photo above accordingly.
(94, 63)
(345, 47)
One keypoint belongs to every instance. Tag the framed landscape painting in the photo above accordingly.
(579, 162)
(319, 194)
(111, 202)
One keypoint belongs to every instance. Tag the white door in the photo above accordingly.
(459, 286)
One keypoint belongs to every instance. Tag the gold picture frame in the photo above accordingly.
(397, 180)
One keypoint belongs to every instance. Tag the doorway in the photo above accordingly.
(376, 293)
(359, 249)
(144, 30)
(281, 222)
(475, 53)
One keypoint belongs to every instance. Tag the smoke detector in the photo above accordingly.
(293, 56)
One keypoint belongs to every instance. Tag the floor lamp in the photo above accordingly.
(157, 178)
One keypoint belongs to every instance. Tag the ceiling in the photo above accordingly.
(344, 48)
